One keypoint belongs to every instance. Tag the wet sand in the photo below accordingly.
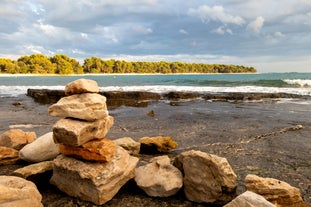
(250, 135)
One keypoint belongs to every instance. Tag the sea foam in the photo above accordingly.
(13, 91)
(298, 82)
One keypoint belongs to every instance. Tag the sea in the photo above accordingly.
(291, 83)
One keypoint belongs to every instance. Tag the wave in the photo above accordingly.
(298, 82)
(9, 91)
(13, 91)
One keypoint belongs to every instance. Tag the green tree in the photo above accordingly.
(38, 64)
(66, 65)
(93, 65)
(62, 64)
(8, 66)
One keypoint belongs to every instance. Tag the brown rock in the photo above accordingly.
(8, 156)
(76, 132)
(18, 192)
(34, 169)
(207, 178)
(86, 106)
(158, 143)
(95, 150)
(277, 192)
(45, 96)
(81, 86)
(16, 138)
(91, 181)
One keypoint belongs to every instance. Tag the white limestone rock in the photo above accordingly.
(159, 178)
(249, 199)
(207, 178)
(42, 149)
(77, 132)
(86, 106)
(81, 86)
(129, 144)
(91, 181)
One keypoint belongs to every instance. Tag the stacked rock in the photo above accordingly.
(90, 166)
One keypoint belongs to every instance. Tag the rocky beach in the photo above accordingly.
(257, 134)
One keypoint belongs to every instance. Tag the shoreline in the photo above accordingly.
(125, 74)
(52, 96)
(222, 128)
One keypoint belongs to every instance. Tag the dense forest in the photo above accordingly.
(62, 64)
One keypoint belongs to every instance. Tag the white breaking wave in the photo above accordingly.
(13, 91)
(7, 91)
(299, 82)
(210, 89)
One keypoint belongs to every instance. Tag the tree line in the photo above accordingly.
(62, 64)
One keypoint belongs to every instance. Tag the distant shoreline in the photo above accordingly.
(116, 74)
(129, 74)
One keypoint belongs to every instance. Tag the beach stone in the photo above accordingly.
(34, 169)
(18, 192)
(92, 181)
(86, 106)
(77, 132)
(95, 150)
(16, 138)
(8, 155)
(42, 149)
(159, 178)
(249, 199)
(157, 144)
(207, 178)
(129, 144)
(277, 192)
(81, 86)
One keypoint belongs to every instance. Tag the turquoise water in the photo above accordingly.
(266, 79)
(297, 83)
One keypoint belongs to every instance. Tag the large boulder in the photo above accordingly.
(101, 150)
(8, 156)
(159, 178)
(207, 178)
(277, 192)
(77, 132)
(18, 192)
(129, 144)
(16, 138)
(81, 86)
(92, 181)
(249, 199)
(161, 144)
(86, 106)
(42, 149)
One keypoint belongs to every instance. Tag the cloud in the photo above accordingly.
(141, 29)
(199, 58)
(222, 30)
(257, 24)
(182, 31)
(279, 34)
(166, 30)
(215, 13)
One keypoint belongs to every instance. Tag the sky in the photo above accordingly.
(270, 35)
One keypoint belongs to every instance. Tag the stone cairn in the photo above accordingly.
(90, 167)
(94, 168)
